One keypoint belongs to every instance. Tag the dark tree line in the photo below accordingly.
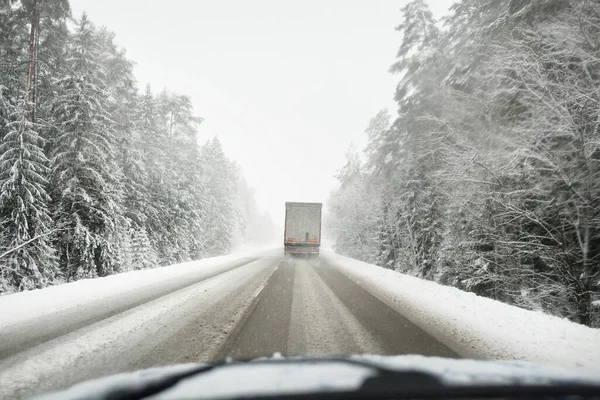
(488, 177)
(95, 176)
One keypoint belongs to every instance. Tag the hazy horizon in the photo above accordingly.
(286, 86)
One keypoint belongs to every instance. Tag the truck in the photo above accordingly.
(302, 231)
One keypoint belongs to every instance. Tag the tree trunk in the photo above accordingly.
(584, 303)
(32, 65)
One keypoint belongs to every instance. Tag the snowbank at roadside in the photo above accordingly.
(23, 306)
(475, 326)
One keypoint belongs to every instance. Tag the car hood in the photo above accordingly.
(278, 376)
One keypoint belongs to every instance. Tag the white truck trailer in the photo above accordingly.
(302, 232)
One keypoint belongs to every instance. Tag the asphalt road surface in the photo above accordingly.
(310, 309)
(250, 308)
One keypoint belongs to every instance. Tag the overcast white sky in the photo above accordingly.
(285, 85)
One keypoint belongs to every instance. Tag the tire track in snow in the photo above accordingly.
(133, 339)
(265, 328)
(22, 336)
(394, 333)
(309, 309)
(322, 324)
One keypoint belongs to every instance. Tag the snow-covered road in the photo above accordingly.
(35, 329)
(134, 337)
(308, 308)
(252, 305)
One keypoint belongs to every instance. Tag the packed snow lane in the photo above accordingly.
(21, 336)
(307, 308)
(190, 324)
(265, 327)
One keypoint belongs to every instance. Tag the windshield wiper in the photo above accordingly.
(390, 384)
(150, 388)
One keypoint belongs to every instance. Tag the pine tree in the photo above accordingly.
(355, 207)
(26, 223)
(13, 41)
(419, 54)
(153, 156)
(123, 109)
(144, 255)
(87, 197)
(133, 163)
(178, 173)
(409, 154)
(221, 180)
(123, 248)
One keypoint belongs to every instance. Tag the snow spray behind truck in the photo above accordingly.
(302, 232)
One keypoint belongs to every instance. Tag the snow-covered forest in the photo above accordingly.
(488, 176)
(97, 177)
